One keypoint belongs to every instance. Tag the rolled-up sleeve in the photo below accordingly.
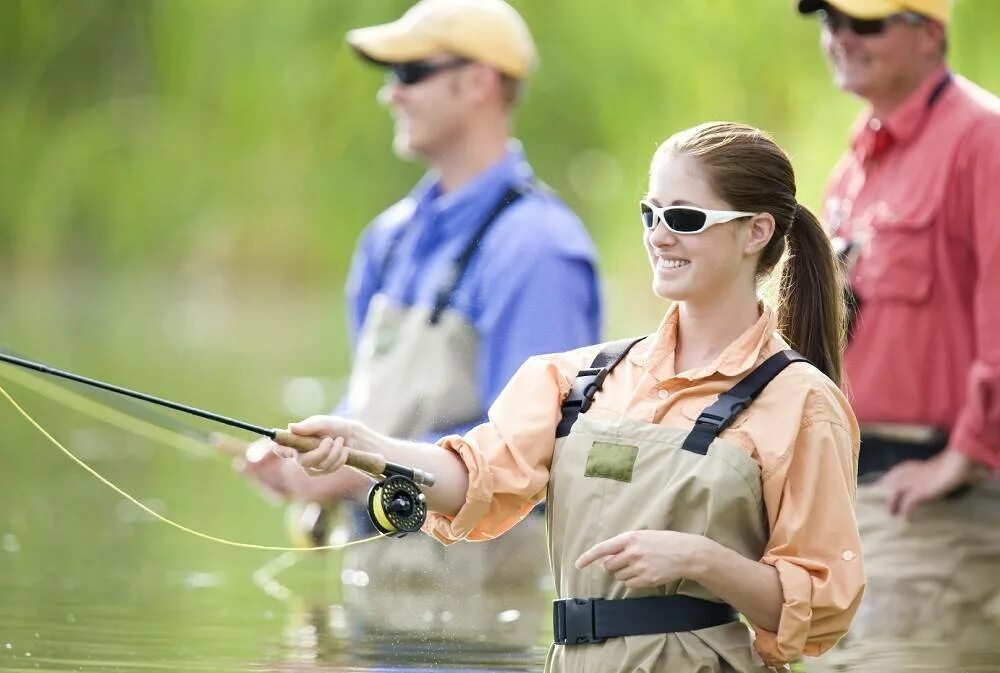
(814, 543)
(977, 430)
(509, 456)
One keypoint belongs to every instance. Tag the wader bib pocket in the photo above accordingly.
(611, 461)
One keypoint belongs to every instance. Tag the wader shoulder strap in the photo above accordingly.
(589, 381)
(461, 263)
(728, 406)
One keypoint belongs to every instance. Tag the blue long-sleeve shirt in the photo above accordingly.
(531, 287)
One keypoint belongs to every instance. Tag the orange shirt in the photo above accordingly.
(919, 192)
(800, 430)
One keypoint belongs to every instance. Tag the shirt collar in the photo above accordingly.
(904, 122)
(511, 169)
(656, 354)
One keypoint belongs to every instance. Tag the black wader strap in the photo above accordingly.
(589, 381)
(577, 621)
(728, 406)
(461, 263)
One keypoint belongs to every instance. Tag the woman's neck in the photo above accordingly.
(705, 331)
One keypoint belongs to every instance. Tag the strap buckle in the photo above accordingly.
(723, 411)
(586, 385)
(573, 621)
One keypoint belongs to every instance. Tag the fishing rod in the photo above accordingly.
(307, 523)
(395, 503)
(128, 414)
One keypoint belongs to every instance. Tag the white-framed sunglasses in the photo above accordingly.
(685, 219)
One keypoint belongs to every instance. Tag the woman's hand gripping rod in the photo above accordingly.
(372, 463)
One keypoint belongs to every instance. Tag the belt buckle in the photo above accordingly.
(573, 621)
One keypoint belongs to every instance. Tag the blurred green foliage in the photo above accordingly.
(181, 186)
(242, 138)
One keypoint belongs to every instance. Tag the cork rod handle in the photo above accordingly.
(371, 463)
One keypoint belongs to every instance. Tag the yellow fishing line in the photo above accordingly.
(104, 413)
(116, 489)
(379, 512)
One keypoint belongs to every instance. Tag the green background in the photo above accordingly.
(181, 186)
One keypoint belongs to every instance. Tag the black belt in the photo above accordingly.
(880, 454)
(576, 621)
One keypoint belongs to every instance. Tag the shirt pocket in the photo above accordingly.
(898, 264)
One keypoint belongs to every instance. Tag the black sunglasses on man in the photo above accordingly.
(834, 20)
(411, 72)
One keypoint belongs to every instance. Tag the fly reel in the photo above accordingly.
(397, 506)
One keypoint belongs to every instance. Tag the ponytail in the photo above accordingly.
(751, 173)
(811, 311)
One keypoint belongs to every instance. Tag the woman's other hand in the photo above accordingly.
(646, 558)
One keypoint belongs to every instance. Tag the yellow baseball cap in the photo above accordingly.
(487, 31)
(879, 9)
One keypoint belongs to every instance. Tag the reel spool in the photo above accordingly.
(397, 506)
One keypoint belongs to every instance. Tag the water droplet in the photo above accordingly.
(357, 578)
(508, 616)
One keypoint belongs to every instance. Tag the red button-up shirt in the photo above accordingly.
(919, 193)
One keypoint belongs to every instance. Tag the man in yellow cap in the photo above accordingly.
(914, 209)
(450, 290)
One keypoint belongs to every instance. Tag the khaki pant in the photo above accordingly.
(932, 600)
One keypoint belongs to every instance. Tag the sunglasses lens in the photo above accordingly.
(867, 26)
(411, 72)
(836, 21)
(648, 217)
(684, 220)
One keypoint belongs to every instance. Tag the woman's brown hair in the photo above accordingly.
(746, 168)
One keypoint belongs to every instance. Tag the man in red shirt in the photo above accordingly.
(914, 209)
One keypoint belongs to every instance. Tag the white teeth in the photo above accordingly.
(673, 263)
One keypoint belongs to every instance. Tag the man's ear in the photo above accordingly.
(482, 81)
(935, 38)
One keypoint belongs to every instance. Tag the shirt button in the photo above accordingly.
(662, 394)
(875, 124)
(848, 555)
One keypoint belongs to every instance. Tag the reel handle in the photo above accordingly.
(372, 463)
